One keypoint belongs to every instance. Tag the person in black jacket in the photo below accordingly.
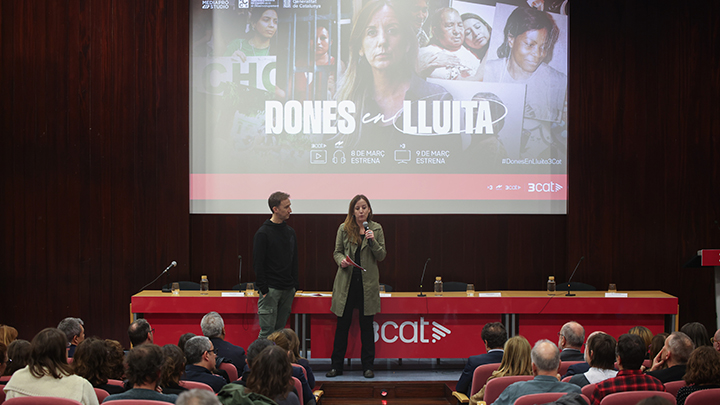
(275, 261)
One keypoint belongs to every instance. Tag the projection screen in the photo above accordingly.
(425, 106)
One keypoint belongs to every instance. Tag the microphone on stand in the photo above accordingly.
(571, 276)
(423, 278)
(367, 228)
(173, 264)
(240, 269)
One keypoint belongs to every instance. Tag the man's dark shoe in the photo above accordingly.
(333, 373)
(369, 374)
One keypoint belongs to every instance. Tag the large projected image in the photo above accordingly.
(426, 106)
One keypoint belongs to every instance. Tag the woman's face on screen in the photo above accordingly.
(267, 24)
(528, 49)
(476, 33)
(382, 40)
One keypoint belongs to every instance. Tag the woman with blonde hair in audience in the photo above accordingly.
(91, 362)
(703, 372)
(646, 336)
(288, 340)
(48, 374)
(516, 361)
(7, 334)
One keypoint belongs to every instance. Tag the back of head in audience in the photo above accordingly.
(703, 367)
(271, 373)
(144, 363)
(658, 342)
(516, 359)
(173, 367)
(294, 343)
(140, 332)
(631, 351)
(681, 346)
(90, 361)
(280, 339)
(212, 325)
(18, 354)
(601, 347)
(7, 334)
(494, 335)
(73, 330)
(183, 339)
(256, 347)
(195, 348)
(573, 335)
(545, 357)
(697, 333)
(48, 354)
(644, 333)
(115, 359)
(197, 397)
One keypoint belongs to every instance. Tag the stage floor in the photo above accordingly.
(387, 370)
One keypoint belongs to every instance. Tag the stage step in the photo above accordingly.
(384, 392)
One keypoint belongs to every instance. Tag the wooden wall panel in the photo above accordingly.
(94, 152)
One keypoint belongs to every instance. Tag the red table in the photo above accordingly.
(417, 327)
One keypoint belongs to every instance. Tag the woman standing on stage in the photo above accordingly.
(355, 287)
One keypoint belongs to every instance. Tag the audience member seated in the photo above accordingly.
(658, 342)
(213, 327)
(600, 354)
(197, 397)
(201, 357)
(48, 374)
(3, 358)
(115, 360)
(253, 350)
(703, 372)
(716, 340)
(697, 333)
(271, 376)
(18, 354)
(646, 336)
(494, 337)
(8, 334)
(572, 336)
(580, 368)
(545, 364)
(674, 356)
(172, 370)
(92, 362)
(516, 361)
(140, 332)
(297, 372)
(288, 340)
(74, 330)
(630, 356)
(183, 339)
(144, 364)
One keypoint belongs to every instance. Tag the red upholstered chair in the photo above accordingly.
(633, 397)
(40, 401)
(674, 386)
(567, 379)
(480, 376)
(647, 363)
(533, 399)
(298, 388)
(2, 396)
(5, 378)
(135, 402)
(565, 365)
(231, 370)
(194, 384)
(588, 390)
(101, 394)
(119, 383)
(496, 386)
(703, 397)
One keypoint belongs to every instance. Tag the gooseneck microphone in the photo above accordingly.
(571, 277)
(240, 269)
(423, 278)
(173, 264)
(367, 228)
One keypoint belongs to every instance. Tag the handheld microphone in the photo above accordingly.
(367, 228)
(571, 276)
(423, 278)
(173, 264)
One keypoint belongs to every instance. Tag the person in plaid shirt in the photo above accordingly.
(630, 355)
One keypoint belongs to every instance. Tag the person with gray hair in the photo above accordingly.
(74, 330)
(197, 397)
(674, 355)
(570, 341)
(545, 364)
(213, 327)
(201, 357)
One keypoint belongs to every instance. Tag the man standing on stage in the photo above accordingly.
(275, 261)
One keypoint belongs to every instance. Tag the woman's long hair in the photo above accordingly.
(173, 367)
(288, 340)
(270, 373)
(90, 361)
(516, 359)
(48, 354)
(479, 53)
(703, 367)
(351, 226)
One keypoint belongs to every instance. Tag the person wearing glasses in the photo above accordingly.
(140, 332)
(201, 357)
(570, 341)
